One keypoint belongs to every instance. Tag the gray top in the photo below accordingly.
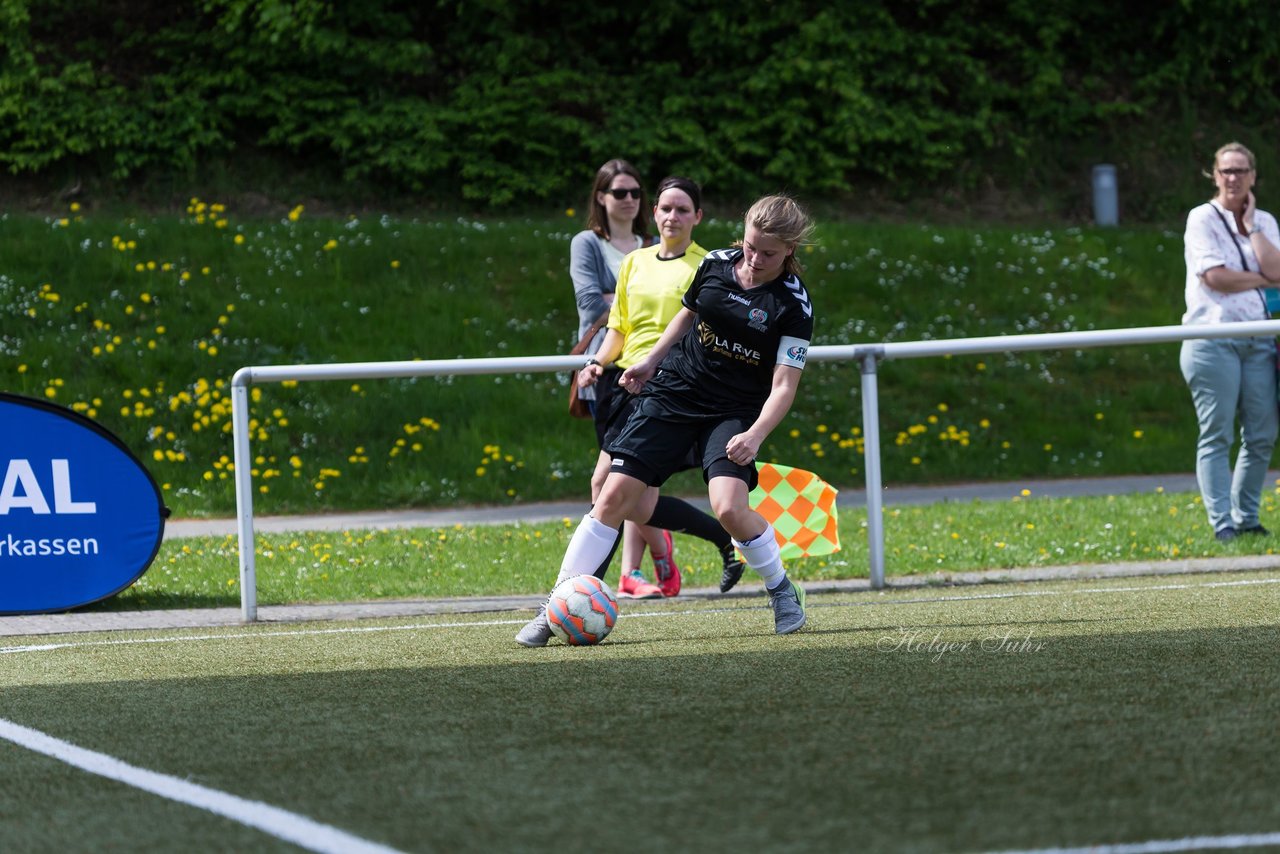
(592, 278)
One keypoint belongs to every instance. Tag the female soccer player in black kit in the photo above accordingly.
(721, 378)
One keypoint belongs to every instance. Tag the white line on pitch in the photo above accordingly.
(1193, 843)
(274, 821)
(409, 627)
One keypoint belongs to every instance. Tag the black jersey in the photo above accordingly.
(725, 363)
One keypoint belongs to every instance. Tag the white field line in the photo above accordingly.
(630, 615)
(1193, 843)
(282, 824)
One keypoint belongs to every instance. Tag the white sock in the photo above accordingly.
(763, 555)
(589, 546)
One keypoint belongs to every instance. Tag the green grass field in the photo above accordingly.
(933, 719)
(956, 719)
(483, 560)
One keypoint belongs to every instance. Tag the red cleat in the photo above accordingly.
(666, 570)
(633, 585)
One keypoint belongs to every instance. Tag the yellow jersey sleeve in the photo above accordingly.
(649, 294)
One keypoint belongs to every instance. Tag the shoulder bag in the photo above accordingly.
(578, 407)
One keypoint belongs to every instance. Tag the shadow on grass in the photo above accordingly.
(1080, 740)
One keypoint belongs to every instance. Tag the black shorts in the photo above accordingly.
(652, 449)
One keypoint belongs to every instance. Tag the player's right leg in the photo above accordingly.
(632, 583)
(754, 537)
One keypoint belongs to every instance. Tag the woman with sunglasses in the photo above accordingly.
(650, 284)
(715, 385)
(1232, 256)
(617, 224)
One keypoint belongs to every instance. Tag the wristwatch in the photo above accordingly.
(1256, 228)
(592, 361)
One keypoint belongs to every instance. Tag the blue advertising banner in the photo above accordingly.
(80, 517)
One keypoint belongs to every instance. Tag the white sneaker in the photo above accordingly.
(537, 631)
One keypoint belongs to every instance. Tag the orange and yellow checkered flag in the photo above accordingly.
(801, 507)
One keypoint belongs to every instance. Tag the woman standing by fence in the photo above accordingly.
(1232, 255)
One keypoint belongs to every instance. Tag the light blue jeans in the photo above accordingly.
(1231, 377)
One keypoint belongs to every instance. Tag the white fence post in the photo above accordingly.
(244, 492)
(871, 462)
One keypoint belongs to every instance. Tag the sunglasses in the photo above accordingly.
(1234, 173)
(634, 192)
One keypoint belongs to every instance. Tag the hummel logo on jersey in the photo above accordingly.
(802, 296)
(739, 299)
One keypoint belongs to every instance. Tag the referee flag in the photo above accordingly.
(801, 507)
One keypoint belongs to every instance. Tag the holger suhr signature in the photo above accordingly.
(934, 645)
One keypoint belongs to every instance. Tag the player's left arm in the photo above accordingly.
(744, 447)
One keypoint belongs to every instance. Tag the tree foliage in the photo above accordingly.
(501, 102)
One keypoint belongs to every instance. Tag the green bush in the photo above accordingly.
(499, 104)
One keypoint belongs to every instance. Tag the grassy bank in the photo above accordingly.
(140, 323)
(351, 566)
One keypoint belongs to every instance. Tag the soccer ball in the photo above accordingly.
(582, 610)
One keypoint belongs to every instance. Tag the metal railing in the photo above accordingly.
(868, 356)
